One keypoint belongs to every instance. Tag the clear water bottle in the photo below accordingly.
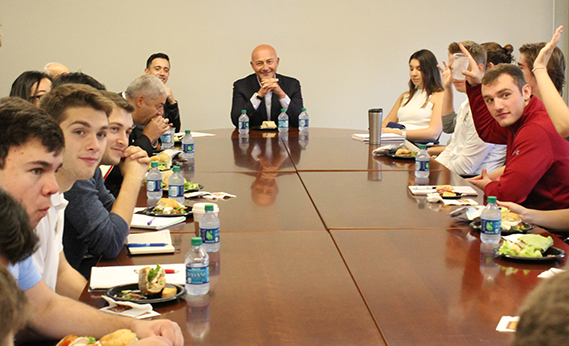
(283, 121)
(188, 146)
(209, 229)
(176, 186)
(303, 121)
(154, 182)
(243, 122)
(491, 222)
(422, 162)
(167, 139)
(197, 269)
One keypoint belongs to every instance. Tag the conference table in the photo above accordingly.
(325, 245)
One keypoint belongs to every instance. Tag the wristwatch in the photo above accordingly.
(259, 97)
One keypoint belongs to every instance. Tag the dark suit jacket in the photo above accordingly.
(244, 88)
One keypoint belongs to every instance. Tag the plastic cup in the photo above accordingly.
(198, 210)
(460, 63)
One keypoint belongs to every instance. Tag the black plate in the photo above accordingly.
(475, 224)
(551, 254)
(401, 157)
(148, 211)
(114, 292)
(458, 196)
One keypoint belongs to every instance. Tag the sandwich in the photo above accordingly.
(74, 340)
(168, 206)
(529, 245)
(164, 160)
(403, 152)
(268, 125)
(151, 280)
(121, 337)
(510, 221)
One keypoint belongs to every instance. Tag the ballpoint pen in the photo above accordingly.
(146, 244)
(150, 221)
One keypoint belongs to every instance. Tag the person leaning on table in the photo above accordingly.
(30, 155)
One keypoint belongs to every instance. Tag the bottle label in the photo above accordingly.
(188, 148)
(176, 191)
(166, 138)
(303, 123)
(243, 125)
(209, 235)
(197, 275)
(283, 123)
(154, 186)
(491, 226)
(422, 166)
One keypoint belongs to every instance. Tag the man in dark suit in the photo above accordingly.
(265, 92)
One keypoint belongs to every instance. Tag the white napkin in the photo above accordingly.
(129, 309)
(550, 273)
(508, 324)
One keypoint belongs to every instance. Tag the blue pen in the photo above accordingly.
(146, 244)
(150, 221)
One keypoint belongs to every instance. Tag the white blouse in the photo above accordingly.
(413, 115)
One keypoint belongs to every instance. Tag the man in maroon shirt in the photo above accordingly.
(537, 159)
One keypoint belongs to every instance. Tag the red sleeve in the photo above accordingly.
(531, 158)
(488, 129)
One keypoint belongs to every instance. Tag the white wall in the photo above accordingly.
(349, 55)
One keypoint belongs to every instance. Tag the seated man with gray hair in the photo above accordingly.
(147, 94)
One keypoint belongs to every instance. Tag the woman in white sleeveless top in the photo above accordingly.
(420, 108)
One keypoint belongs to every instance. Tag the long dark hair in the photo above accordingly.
(23, 84)
(432, 82)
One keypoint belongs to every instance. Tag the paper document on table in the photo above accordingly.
(194, 134)
(426, 189)
(151, 222)
(149, 238)
(107, 277)
(364, 137)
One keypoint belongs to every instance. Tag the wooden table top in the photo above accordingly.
(335, 251)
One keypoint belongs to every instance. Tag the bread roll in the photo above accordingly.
(119, 338)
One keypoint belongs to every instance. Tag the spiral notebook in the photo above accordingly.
(151, 222)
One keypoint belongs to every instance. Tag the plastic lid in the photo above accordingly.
(176, 168)
(243, 111)
(197, 241)
(188, 131)
(304, 109)
(153, 164)
(492, 199)
(422, 146)
(283, 110)
(209, 207)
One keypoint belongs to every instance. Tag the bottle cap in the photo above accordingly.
(153, 164)
(188, 131)
(197, 241)
(176, 168)
(283, 110)
(304, 109)
(492, 199)
(422, 146)
(243, 111)
(209, 207)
